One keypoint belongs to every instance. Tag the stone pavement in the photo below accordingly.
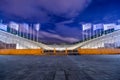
(87, 67)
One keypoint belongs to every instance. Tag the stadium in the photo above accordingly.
(59, 40)
(102, 37)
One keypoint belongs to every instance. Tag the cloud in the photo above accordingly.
(46, 11)
(56, 36)
(44, 35)
(63, 29)
(42, 10)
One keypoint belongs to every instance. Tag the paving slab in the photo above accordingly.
(84, 67)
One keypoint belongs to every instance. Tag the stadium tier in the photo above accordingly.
(110, 40)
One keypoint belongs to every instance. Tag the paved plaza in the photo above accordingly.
(73, 67)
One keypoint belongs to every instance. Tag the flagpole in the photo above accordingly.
(17, 29)
(20, 32)
(26, 34)
(17, 32)
(30, 32)
(33, 34)
(90, 33)
(87, 36)
(100, 32)
(97, 32)
(83, 36)
(9, 36)
(37, 36)
(37, 27)
(26, 31)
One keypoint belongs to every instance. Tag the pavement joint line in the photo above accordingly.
(60, 75)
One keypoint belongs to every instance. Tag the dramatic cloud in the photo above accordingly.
(42, 10)
(43, 35)
(63, 29)
(60, 18)
(47, 11)
(57, 36)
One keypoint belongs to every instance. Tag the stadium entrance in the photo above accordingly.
(62, 52)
